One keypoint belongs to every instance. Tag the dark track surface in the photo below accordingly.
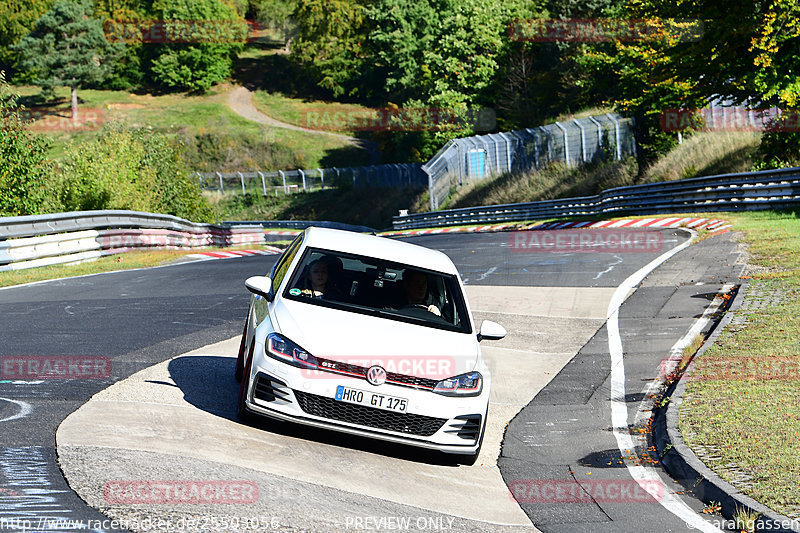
(140, 318)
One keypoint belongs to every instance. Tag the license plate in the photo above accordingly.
(371, 399)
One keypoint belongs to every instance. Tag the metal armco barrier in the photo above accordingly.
(33, 241)
(40, 240)
(769, 189)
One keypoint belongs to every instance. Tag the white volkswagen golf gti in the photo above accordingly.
(369, 336)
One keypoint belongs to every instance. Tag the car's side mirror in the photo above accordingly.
(260, 285)
(491, 330)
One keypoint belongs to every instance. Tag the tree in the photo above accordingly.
(17, 19)
(331, 35)
(67, 48)
(202, 39)
(277, 14)
(442, 56)
(24, 168)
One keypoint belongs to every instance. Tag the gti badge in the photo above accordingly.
(376, 375)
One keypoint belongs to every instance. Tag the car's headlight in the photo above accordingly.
(469, 384)
(285, 350)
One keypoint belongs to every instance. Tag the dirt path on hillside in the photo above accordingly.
(240, 100)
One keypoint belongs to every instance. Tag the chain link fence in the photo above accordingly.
(602, 137)
(572, 142)
(291, 181)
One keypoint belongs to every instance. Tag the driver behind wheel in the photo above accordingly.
(415, 287)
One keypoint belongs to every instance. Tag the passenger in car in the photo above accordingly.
(415, 287)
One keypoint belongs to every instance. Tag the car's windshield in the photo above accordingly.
(381, 288)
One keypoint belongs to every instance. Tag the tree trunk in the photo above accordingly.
(74, 103)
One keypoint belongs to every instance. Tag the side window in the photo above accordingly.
(282, 266)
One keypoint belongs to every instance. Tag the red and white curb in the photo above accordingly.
(709, 224)
(268, 250)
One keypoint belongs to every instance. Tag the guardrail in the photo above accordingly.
(41, 240)
(769, 189)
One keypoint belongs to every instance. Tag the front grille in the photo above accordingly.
(361, 372)
(270, 389)
(424, 426)
(466, 426)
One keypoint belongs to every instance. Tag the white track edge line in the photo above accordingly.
(647, 478)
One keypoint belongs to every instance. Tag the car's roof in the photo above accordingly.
(379, 247)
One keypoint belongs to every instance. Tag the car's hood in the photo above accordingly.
(365, 340)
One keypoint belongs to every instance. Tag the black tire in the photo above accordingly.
(240, 358)
(242, 412)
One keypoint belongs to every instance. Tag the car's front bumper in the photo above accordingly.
(448, 424)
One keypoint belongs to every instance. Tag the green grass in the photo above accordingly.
(316, 115)
(701, 154)
(373, 208)
(741, 410)
(129, 260)
(181, 115)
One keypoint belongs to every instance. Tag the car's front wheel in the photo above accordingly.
(242, 412)
(240, 358)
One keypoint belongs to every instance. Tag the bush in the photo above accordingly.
(24, 168)
(220, 151)
(206, 36)
(130, 169)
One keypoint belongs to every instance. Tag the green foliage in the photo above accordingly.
(330, 43)
(203, 37)
(24, 168)
(779, 149)
(230, 151)
(276, 15)
(67, 48)
(129, 169)
(17, 18)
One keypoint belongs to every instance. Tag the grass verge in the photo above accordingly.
(741, 410)
(111, 263)
(702, 154)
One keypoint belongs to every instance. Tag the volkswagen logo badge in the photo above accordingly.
(376, 375)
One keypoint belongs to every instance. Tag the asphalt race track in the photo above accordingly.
(167, 409)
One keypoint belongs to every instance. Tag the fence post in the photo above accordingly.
(508, 151)
(549, 143)
(434, 203)
(263, 183)
(241, 178)
(221, 186)
(566, 142)
(321, 178)
(302, 175)
(616, 134)
(583, 139)
(283, 177)
(599, 132)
